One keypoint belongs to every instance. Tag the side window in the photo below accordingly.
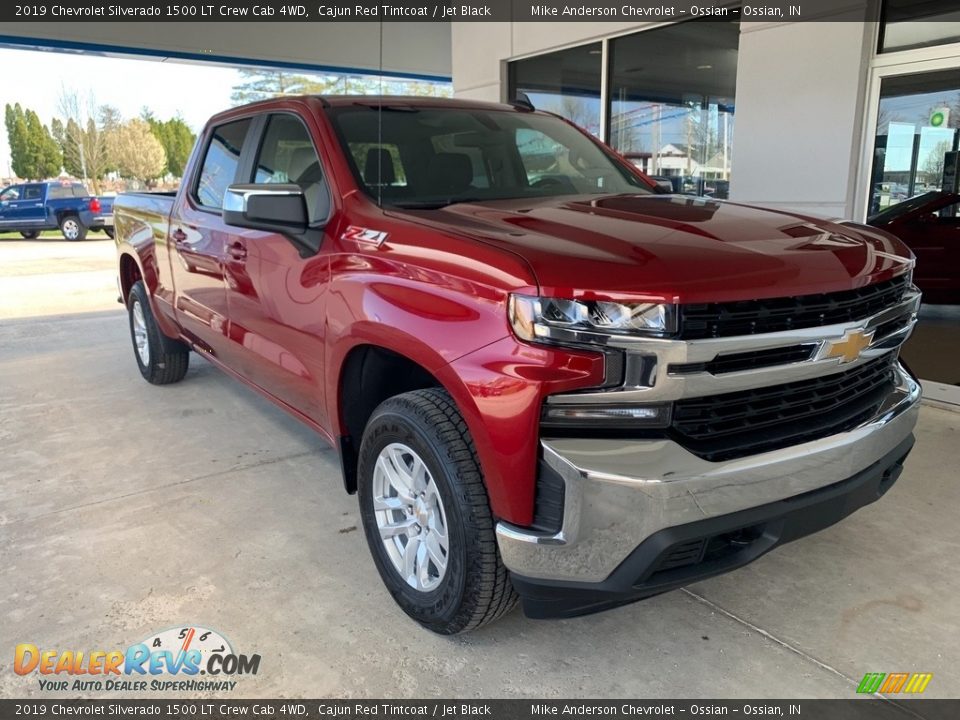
(287, 155)
(219, 169)
(10, 194)
(949, 215)
(32, 192)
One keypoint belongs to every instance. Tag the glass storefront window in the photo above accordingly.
(919, 23)
(566, 82)
(671, 103)
(918, 125)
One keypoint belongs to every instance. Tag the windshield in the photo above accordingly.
(903, 208)
(432, 157)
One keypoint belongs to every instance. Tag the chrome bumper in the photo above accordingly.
(620, 492)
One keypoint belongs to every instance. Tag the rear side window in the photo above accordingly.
(32, 192)
(219, 169)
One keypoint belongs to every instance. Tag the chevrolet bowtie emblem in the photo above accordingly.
(849, 347)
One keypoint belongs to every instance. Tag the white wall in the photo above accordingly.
(408, 47)
(799, 103)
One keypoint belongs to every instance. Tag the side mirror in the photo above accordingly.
(269, 207)
(665, 185)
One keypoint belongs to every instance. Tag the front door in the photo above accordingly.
(276, 297)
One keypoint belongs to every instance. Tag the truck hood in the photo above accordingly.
(676, 248)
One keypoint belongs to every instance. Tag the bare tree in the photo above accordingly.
(933, 165)
(82, 141)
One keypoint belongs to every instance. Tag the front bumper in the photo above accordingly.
(629, 499)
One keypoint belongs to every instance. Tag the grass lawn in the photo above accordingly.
(51, 235)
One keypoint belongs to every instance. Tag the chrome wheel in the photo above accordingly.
(140, 338)
(70, 229)
(410, 517)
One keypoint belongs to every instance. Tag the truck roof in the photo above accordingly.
(374, 100)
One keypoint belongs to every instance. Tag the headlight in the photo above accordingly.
(588, 321)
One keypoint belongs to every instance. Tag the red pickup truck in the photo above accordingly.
(545, 376)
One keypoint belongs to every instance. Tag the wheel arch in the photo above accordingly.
(368, 374)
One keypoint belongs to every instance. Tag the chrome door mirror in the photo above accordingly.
(270, 207)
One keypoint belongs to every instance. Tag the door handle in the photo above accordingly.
(237, 250)
(179, 235)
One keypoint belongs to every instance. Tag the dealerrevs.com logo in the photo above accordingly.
(168, 661)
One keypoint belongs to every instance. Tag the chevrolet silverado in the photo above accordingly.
(547, 378)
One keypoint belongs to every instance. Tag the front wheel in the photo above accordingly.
(30, 234)
(426, 515)
(72, 228)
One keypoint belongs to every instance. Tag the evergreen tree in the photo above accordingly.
(34, 153)
(21, 160)
(176, 138)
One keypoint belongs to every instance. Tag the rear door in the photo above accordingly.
(276, 297)
(199, 238)
(31, 211)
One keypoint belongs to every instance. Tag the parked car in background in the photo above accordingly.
(929, 224)
(31, 208)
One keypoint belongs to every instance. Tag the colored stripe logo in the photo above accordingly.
(892, 683)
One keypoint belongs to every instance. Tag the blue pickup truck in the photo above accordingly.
(29, 208)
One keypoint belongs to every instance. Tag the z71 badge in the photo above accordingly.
(364, 235)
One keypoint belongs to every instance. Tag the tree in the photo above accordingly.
(34, 154)
(136, 150)
(176, 138)
(82, 141)
(933, 165)
(16, 125)
(263, 84)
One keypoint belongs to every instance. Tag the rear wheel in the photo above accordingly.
(427, 517)
(72, 228)
(30, 234)
(109, 232)
(161, 360)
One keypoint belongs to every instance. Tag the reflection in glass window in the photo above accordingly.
(918, 123)
(220, 164)
(565, 82)
(672, 100)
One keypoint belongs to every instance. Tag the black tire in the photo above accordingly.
(110, 233)
(167, 360)
(475, 588)
(72, 228)
(30, 234)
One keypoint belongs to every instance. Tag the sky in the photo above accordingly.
(35, 79)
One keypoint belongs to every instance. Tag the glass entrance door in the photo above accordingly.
(915, 195)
